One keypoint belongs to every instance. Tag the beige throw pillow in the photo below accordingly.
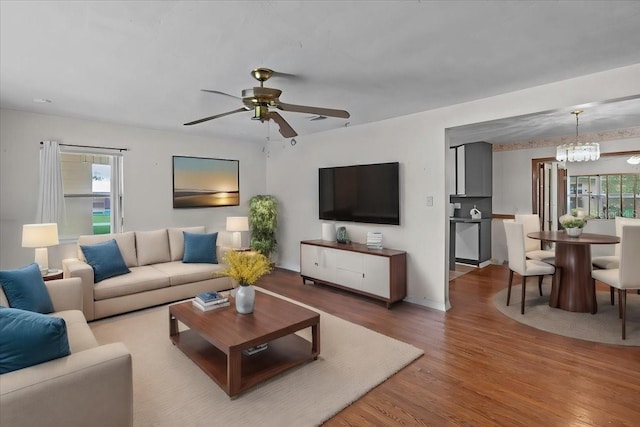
(153, 246)
(126, 243)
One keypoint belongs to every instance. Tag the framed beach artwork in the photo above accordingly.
(200, 182)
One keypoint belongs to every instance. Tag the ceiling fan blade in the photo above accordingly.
(195, 122)
(287, 76)
(285, 129)
(314, 110)
(217, 92)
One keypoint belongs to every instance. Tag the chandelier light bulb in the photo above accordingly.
(577, 151)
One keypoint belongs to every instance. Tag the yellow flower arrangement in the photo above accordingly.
(245, 267)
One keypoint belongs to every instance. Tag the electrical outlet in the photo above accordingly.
(429, 200)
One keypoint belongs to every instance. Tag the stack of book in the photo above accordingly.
(374, 240)
(210, 301)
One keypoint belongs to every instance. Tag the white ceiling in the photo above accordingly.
(143, 63)
(595, 117)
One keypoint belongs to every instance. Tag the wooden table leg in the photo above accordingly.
(234, 372)
(576, 291)
(173, 325)
(315, 340)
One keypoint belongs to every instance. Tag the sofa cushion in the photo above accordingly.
(79, 333)
(152, 247)
(126, 242)
(200, 248)
(141, 279)
(105, 259)
(25, 289)
(181, 273)
(176, 240)
(28, 338)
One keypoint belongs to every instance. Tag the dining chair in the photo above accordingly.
(531, 223)
(519, 263)
(613, 261)
(627, 275)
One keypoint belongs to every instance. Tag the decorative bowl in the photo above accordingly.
(574, 232)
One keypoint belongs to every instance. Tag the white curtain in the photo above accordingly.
(117, 214)
(51, 193)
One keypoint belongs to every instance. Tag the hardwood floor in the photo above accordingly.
(480, 368)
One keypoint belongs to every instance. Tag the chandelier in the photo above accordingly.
(577, 151)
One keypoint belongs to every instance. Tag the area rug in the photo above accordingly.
(604, 326)
(170, 390)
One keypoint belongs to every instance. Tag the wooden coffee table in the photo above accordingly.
(216, 338)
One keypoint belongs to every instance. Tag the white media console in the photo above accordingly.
(378, 273)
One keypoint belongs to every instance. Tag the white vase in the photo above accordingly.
(574, 232)
(245, 299)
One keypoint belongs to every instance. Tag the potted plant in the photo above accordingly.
(574, 222)
(245, 268)
(263, 222)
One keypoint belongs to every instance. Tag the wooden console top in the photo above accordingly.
(353, 247)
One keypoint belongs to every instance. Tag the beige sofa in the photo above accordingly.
(90, 387)
(157, 275)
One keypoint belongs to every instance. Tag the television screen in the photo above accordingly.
(360, 193)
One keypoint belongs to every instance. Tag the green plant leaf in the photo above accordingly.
(263, 222)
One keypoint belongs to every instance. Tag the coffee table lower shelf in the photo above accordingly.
(282, 354)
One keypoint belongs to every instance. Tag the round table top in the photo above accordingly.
(583, 239)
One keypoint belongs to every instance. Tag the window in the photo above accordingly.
(606, 196)
(92, 183)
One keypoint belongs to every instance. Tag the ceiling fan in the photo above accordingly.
(259, 99)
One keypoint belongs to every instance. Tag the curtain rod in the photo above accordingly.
(91, 146)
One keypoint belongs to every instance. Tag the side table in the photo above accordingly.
(52, 275)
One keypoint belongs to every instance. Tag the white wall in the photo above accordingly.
(147, 180)
(418, 142)
(512, 172)
(512, 184)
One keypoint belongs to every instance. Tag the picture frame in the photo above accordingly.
(201, 182)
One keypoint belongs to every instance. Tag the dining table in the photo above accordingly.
(574, 289)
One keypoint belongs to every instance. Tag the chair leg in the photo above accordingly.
(540, 284)
(623, 304)
(620, 303)
(524, 291)
(509, 290)
(612, 292)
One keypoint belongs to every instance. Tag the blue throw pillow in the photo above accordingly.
(105, 259)
(28, 338)
(200, 247)
(25, 289)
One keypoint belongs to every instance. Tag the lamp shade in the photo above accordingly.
(39, 235)
(237, 223)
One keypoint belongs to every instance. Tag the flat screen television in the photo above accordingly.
(360, 193)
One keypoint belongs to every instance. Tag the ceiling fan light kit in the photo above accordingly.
(577, 151)
(259, 99)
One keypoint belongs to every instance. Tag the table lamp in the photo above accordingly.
(40, 236)
(237, 224)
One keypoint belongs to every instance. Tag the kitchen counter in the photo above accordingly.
(455, 219)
